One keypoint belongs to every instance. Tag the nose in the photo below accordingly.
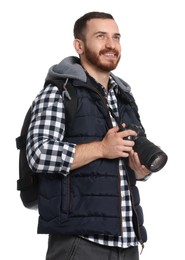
(110, 44)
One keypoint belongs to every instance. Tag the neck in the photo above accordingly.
(101, 77)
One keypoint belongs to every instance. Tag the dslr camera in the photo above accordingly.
(150, 155)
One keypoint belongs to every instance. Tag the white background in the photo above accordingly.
(36, 34)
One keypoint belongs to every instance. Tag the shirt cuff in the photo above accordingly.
(146, 177)
(68, 157)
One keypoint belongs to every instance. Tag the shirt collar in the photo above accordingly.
(112, 84)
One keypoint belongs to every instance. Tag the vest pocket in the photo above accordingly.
(65, 200)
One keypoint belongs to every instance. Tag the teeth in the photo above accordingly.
(109, 54)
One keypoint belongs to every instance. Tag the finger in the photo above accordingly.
(128, 143)
(136, 159)
(145, 170)
(113, 130)
(127, 133)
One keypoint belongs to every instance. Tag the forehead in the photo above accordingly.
(103, 25)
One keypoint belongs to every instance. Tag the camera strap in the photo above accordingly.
(128, 99)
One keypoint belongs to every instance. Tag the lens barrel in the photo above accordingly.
(149, 154)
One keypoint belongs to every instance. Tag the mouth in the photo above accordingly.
(110, 54)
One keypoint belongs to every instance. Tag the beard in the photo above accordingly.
(95, 59)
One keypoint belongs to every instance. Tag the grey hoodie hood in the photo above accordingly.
(71, 68)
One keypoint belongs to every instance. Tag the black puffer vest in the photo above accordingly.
(88, 200)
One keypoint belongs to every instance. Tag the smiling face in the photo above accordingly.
(100, 50)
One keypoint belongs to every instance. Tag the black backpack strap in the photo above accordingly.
(69, 96)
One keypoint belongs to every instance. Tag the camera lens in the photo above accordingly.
(150, 155)
(158, 161)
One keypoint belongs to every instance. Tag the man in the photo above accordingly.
(88, 201)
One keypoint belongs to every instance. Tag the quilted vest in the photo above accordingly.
(88, 200)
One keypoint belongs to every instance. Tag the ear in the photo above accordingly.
(79, 46)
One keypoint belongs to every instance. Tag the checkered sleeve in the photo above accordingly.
(46, 151)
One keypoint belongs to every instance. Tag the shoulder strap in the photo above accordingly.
(129, 99)
(69, 96)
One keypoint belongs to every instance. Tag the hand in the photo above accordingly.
(134, 163)
(114, 145)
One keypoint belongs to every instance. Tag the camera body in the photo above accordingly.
(150, 155)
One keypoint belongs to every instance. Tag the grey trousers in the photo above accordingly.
(76, 248)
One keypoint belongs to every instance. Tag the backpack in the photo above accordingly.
(28, 181)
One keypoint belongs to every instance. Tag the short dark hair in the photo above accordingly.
(80, 24)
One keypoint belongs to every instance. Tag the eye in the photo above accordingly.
(100, 36)
(117, 37)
